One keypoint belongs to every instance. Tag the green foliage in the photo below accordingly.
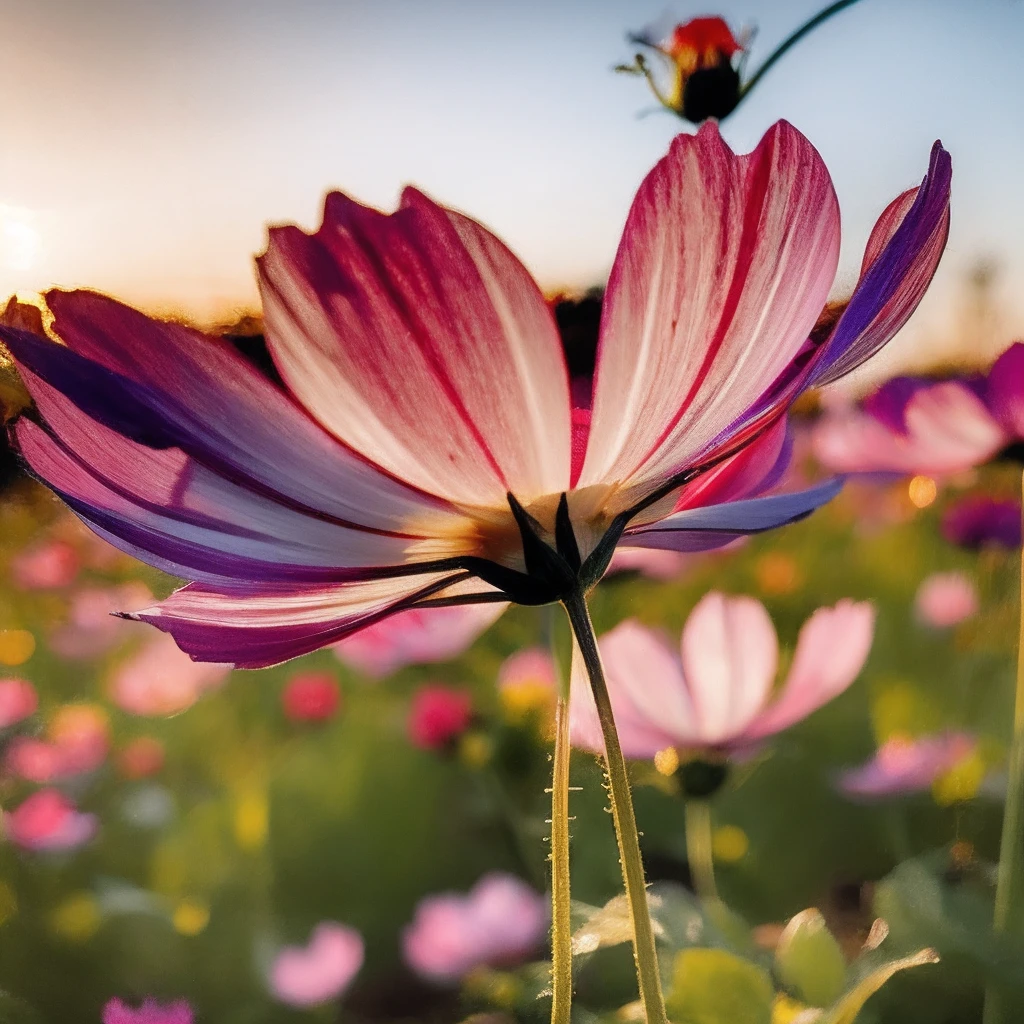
(808, 960)
(712, 986)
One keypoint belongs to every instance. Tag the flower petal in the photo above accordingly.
(724, 266)
(831, 650)
(730, 654)
(899, 262)
(701, 529)
(1006, 389)
(423, 343)
(253, 627)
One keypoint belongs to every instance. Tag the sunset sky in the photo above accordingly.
(147, 144)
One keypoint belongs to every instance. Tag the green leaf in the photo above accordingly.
(847, 1009)
(711, 986)
(808, 960)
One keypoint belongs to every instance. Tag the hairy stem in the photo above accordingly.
(644, 952)
(561, 926)
(698, 849)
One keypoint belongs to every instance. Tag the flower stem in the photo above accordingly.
(698, 849)
(644, 953)
(561, 926)
(1009, 911)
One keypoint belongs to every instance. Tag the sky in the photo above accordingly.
(147, 144)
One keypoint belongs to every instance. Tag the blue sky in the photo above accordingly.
(147, 144)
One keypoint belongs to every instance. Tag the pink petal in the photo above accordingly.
(417, 636)
(730, 654)
(322, 970)
(423, 343)
(831, 650)
(1006, 390)
(945, 599)
(18, 700)
(149, 1012)
(48, 820)
(724, 266)
(902, 766)
(254, 627)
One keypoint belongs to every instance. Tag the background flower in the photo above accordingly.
(319, 971)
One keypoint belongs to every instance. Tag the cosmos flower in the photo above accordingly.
(320, 971)
(715, 695)
(48, 821)
(979, 521)
(527, 684)
(149, 1012)
(499, 922)
(438, 715)
(18, 700)
(423, 447)
(310, 697)
(902, 765)
(945, 599)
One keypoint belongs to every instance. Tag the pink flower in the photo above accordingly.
(47, 566)
(322, 970)
(310, 697)
(716, 694)
(78, 742)
(18, 700)
(945, 599)
(160, 679)
(659, 565)
(91, 629)
(903, 765)
(150, 1012)
(48, 820)
(500, 922)
(438, 715)
(425, 447)
(416, 637)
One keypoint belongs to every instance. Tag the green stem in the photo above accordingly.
(1009, 911)
(698, 849)
(644, 952)
(561, 925)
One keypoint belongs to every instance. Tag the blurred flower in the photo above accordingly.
(48, 820)
(77, 918)
(150, 1012)
(416, 637)
(904, 765)
(425, 446)
(18, 700)
(16, 646)
(527, 684)
(46, 566)
(438, 715)
(190, 917)
(980, 521)
(658, 565)
(945, 599)
(322, 970)
(310, 697)
(160, 679)
(716, 695)
(141, 757)
(500, 922)
(91, 629)
(78, 742)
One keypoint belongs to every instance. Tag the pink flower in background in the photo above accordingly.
(78, 741)
(658, 565)
(48, 820)
(904, 765)
(500, 922)
(150, 1012)
(46, 566)
(979, 521)
(311, 697)
(945, 599)
(425, 446)
(18, 700)
(438, 715)
(416, 637)
(141, 757)
(530, 667)
(322, 970)
(91, 629)
(716, 692)
(159, 679)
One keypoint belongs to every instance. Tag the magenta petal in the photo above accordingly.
(423, 343)
(1006, 390)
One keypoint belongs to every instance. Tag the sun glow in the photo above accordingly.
(20, 241)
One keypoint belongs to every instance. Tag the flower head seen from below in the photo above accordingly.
(311, 697)
(499, 922)
(945, 599)
(424, 448)
(438, 716)
(48, 821)
(713, 695)
(319, 971)
(979, 521)
(903, 765)
(148, 1012)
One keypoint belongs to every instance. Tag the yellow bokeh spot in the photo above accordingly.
(190, 918)
(8, 903)
(252, 820)
(901, 710)
(786, 1010)
(667, 761)
(777, 573)
(525, 697)
(961, 782)
(922, 491)
(729, 844)
(16, 646)
(475, 749)
(77, 918)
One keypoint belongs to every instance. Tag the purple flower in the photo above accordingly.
(150, 1012)
(902, 765)
(980, 521)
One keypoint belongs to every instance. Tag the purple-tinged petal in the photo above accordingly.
(1005, 390)
(830, 652)
(900, 260)
(724, 266)
(978, 521)
(901, 765)
(701, 529)
(422, 342)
